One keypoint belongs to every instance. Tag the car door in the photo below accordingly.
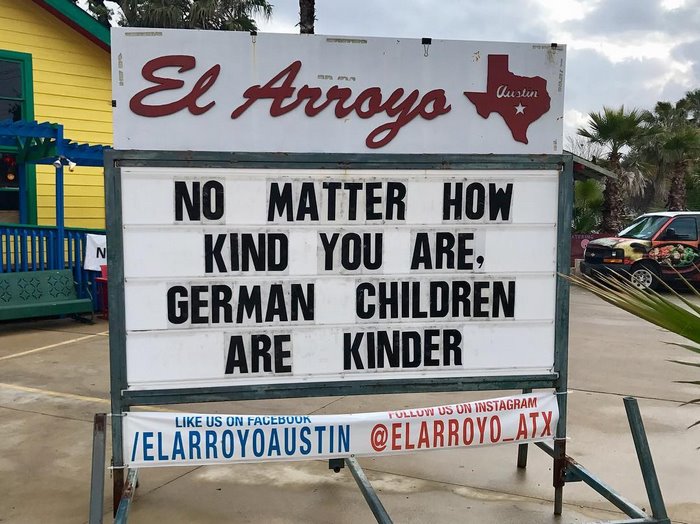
(675, 247)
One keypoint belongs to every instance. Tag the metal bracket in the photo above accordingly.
(570, 476)
(336, 464)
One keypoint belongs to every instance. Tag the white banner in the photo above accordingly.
(188, 439)
(95, 252)
(179, 90)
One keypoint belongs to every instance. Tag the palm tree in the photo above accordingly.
(230, 15)
(691, 103)
(98, 10)
(681, 149)
(307, 16)
(670, 145)
(614, 129)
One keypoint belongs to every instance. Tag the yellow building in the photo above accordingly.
(54, 67)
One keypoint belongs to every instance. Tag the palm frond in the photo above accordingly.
(195, 14)
(682, 319)
(649, 305)
(684, 363)
(694, 349)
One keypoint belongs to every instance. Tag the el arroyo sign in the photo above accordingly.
(293, 275)
(323, 94)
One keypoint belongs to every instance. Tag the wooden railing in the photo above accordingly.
(34, 248)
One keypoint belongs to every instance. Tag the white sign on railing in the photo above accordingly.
(95, 252)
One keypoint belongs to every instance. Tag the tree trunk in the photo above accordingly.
(677, 200)
(307, 16)
(613, 202)
(613, 207)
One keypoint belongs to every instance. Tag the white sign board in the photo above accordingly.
(189, 439)
(244, 276)
(181, 90)
(95, 252)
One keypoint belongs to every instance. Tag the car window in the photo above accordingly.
(644, 227)
(685, 228)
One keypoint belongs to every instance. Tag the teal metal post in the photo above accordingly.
(59, 253)
(117, 329)
(122, 514)
(641, 444)
(561, 329)
(60, 221)
(97, 478)
(522, 448)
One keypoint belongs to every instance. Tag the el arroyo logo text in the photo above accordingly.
(519, 100)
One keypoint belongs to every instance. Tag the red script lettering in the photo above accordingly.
(368, 103)
(189, 101)
(400, 106)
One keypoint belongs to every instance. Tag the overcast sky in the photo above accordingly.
(631, 52)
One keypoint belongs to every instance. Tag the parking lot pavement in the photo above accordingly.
(54, 376)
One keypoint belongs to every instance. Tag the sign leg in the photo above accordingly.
(97, 480)
(558, 472)
(522, 448)
(118, 471)
(117, 489)
(641, 444)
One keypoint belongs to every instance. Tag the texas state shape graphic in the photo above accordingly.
(520, 100)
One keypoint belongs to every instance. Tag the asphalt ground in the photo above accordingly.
(54, 377)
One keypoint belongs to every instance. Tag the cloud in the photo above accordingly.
(449, 19)
(690, 53)
(613, 18)
(594, 81)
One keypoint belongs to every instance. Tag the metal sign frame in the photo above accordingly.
(122, 399)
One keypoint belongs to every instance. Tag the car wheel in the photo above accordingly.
(645, 276)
